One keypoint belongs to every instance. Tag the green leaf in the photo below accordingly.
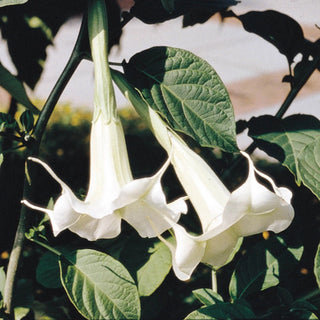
(304, 305)
(21, 312)
(277, 28)
(224, 310)
(99, 286)
(295, 141)
(149, 261)
(154, 271)
(302, 309)
(27, 120)
(15, 88)
(7, 121)
(317, 266)
(11, 2)
(207, 297)
(27, 39)
(263, 266)
(2, 281)
(48, 272)
(187, 92)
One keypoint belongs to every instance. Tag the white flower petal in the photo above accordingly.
(143, 201)
(139, 188)
(149, 211)
(186, 254)
(179, 206)
(266, 210)
(143, 215)
(96, 209)
(61, 217)
(206, 192)
(220, 248)
(92, 229)
(109, 163)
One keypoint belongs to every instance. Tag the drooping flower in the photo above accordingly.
(113, 194)
(225, 217)
(250, 209)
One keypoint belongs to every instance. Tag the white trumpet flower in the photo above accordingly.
(250, 209)
(112, 194)
(225, 217)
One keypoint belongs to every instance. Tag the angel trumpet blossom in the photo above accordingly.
(250, 209)
(225, 217)
(112, 194)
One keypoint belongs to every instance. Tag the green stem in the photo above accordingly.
(296, 88)
(15, 257)
(47, 247)
(76, 57)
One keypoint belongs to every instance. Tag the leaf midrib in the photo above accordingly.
(94, 284)
(181, 100)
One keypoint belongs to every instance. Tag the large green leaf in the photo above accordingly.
(149, 261)
(295, 141)
(187, 92)
(11, 2)
(15, 88)
(263, 267)
(99, 286)
(224, 310)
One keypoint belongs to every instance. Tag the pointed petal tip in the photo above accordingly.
(34, 207)
(34, 159)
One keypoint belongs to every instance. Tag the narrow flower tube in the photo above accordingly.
(112, 194)
(225, 217)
